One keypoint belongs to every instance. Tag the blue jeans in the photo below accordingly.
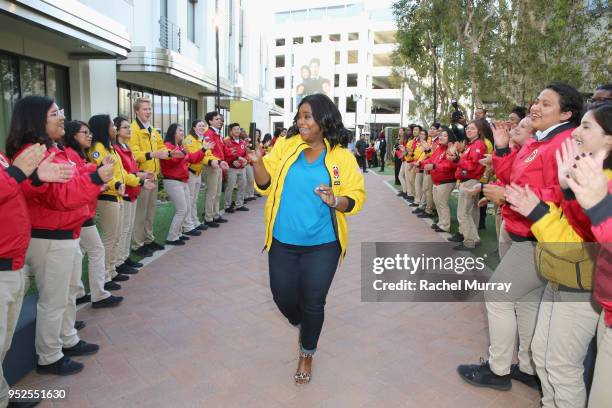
(300, 277)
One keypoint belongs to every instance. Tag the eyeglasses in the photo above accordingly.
(85, 132)
(599, 99)
(58, 114)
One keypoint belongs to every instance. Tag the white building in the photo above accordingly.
(96, 56)
(358, 39)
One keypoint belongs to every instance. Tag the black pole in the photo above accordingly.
(218, 95)
(435, 84)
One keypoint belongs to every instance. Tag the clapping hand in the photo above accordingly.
(521, 199)
(50, 172)
(588, 181)
(566, 157)
(30, 158)
(501, 134)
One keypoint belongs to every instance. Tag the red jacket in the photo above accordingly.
(83, 166)
(444, 169)
(176, 168)
(57, 208)
(468, 167)
(533, 164)
(14, 218)
(232, 150)
(370, 151)
(601, 220)
(218, 149)
(131, 166)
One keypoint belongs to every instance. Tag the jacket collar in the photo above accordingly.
(552, 132)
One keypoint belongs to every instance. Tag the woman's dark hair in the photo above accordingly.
(602, 112)
(327, 116)
(192, 131)
(451, 135)
(484, 130)
(98, 124)
(267, 137)
(277, 132)
(570, 100)
(210, 115)
(436, 125)
(171, 132)
(28, 123)
(118, 120)
(72, 128)
(417, 126)
(520, 111)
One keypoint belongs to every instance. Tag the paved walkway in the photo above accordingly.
(198, 328)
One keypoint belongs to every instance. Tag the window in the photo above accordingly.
(351, 105)
(334, 37)
(351, 80)
(280, 102)
(337, 80)
(353, 36)
(315, 39)
(280, 61)
(353, 56)
(191, 20)
(336, 101)
(280, 42)
(298, 40)
(337, 57)
(279, 83)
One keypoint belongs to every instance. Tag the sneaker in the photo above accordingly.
(438, 229)
(212, 224)
(242, 208)
(434, 226)
(414, 204)
(143, 251)
(120, 278)
(230, 210)
(126, 269)
(133, 264)
(110, 301)
(193, 233)
(482, 376)
(417, 211)
(82, 348)
(401, 194)
(529, 380)
(154, 246)
(202, 227)
(249, 199)
(220, 220)
(112, 286)
(63, 366)
(83, 299)
(184, 238)
(455, 238)
(79, 325)
(424, 214)
(178, 242)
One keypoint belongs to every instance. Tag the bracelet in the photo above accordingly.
(335, 202)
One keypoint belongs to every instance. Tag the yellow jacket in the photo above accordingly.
(96, 154)
(143, 142)
(420, 153)
(488, 175)
(345, 178)
(193, 144)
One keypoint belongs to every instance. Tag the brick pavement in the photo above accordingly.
(198, 328)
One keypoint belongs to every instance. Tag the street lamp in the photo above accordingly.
(217, 23)
(356, 97)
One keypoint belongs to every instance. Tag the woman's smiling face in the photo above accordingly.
(309, 129)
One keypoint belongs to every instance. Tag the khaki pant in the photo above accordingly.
(250, 182)
(418, 186)
(191, 220)
(235, 176)
(602, 378)
(127, 229)
(214, 179)
(468, 214)
(410, 181)
(91, 244)
(12, 290)
(145, 216)
(515, 311)
(402, 176)
(56, 265)
(179, 194)
(427, 201)
(441, 195)
(566, 325)
(110, 216)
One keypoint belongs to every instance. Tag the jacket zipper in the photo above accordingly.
(333, 210)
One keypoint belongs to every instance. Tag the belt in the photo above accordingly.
(519, 238)
(52, 234)
(107, 197)
(192, 171)
(89, 223)
(6, 264)
(448, 182)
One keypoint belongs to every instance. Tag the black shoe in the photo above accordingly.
(220, 220)
(110, 301)
(120, 278)
(133, 264)
(112, 286)
(193, 233)
(242, 208)
(417, 211)
(229, 210)
(126, 269)
(184, 238)
(29, 403)
(154, 246)
(212, 224)
(249, 199)
(455, 238)
(82, 348)
(438, 229)
(482, 376)
(424, 215)
(401, 194)
(462, 247)
(63, 366)
(202, 227)
(144, 251)
(83, 299)
(529, 380)
(178, 242)
(79, 325)
(434, 226)
(414, 204)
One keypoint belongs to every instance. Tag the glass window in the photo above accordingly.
(351, 80)
(337, 80)
(173, 110)
(57, 87)
(298, 40)
(353, 56)
(9, 93)
(351, 105)
(336, 101)
(353, 36)
(336, 11)
(334, 37)
(32, 77)
(281, 18)
(353, 10)
(181, 114)
(337, 57)
(165, 113)
(157, 112)
(279, 82)
(191, 20)
(315, 39)
(280, 42)
(125, 108)
(279, 102)
(299, 15)
(280, 61)
(316, 13)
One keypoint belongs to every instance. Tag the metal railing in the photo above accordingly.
(169, 35)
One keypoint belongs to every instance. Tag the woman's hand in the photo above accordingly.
(428, 166)
(566, 157)
(326, 194)
(54, 172)
(223, 165)
(30, 158)
(177, 154)
(588, 180)
(494, 193)
(149, 184)
(521, 199)
(486, 161)
(255, 155)
(474, 191)
(501, 134)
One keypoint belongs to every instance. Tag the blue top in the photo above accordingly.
(302, 217)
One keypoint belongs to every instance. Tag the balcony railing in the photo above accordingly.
(169, 35)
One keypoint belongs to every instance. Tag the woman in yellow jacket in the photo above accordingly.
(110, 202)
(311, 182)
